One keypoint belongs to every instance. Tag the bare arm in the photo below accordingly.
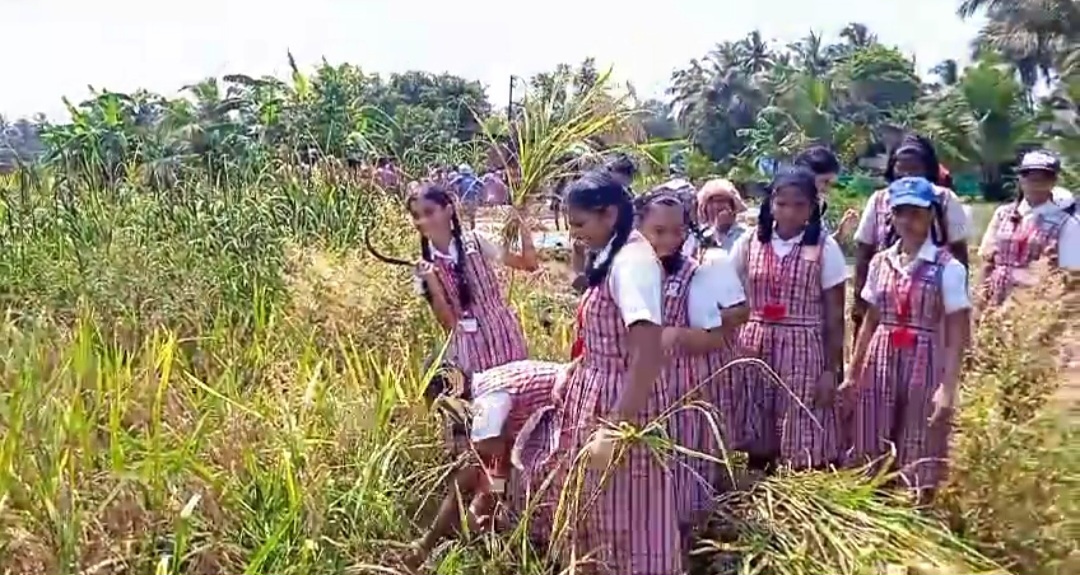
(646, 357)
(526, 259)
(863, 254)
(444, 312)
(957, 328)
(834, 331)
(700, 341)
(862, 343)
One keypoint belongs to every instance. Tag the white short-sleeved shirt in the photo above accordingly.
(954, 286)
(833, 265)
(690, 246)
(956, 218)
(636, 281)
(715, 286)
(1068, 236)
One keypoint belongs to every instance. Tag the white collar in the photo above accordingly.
(1046, 208)
(604, 254)
(796, 239)
(927, 253)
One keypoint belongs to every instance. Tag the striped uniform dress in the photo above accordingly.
(529, 384)
(894, 398)
(786, 332)
(1018, 243)
(684, 376)
(629, 521)
(498, 337)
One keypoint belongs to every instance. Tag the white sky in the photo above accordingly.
(54, 48)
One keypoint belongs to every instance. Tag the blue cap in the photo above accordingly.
(918, 192)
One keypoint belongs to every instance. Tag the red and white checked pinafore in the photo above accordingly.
(691, 424)
(629, 520)
(895, 396)
(791, 342)
(529, 384)
(1018, 244)
(498, 337)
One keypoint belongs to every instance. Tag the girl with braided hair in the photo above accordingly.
(704, 306)
(629, 525)
(457, 275)
(794, 276)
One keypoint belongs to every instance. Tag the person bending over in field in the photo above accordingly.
(498, 403)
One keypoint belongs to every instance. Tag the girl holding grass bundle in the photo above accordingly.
(794, 277)
(703, 308)
(620, 493)
(913, 157)
(498, 401)
(1037, 225)
(457, 275)
(904, 369)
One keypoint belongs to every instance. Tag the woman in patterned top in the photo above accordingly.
(457, 275)
(794, 277)
(904, 368)
(1037, 225)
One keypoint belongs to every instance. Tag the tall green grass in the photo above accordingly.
(217, 380)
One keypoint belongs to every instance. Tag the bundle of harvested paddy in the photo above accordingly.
(834, 523)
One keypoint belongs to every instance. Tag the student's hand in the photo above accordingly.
(670, 338)
(601, 449)
(424, 269)
(944, 405)
(416, 554)
(825, 390)
(848, 223)
(846, 394)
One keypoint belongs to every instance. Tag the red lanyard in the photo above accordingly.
(903, 337)
(775, 271)
(578, 347)
(903, 289)
(1023, 239)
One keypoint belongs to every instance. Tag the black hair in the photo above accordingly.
(439, 195)
(672, 263)
(596, 191)
(939, 229)
(818, 159)
(802, 179)
(921, 146)
(622, 164)
(438, 385)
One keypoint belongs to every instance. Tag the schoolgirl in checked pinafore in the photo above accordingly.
(1038, 225)
(914, 157)
(485, 331)
(696, 338)
(623, 511)
(903, 372)
(794, 277)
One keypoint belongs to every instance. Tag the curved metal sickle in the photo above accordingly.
(382, 258)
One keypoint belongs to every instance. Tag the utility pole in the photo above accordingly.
(510, 102)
